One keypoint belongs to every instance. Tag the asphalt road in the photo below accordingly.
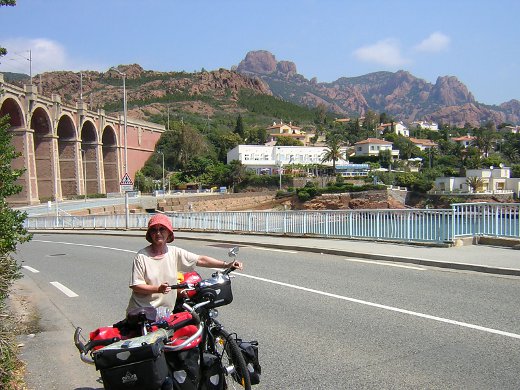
(322, 321)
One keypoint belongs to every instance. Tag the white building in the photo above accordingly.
(268, 159)
(426, 125)
(372, 147)
(493, 181)
(397, 127)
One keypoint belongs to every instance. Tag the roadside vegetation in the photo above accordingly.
(11, 234)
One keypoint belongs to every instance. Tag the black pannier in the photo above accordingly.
(136, 363)
(250, 353)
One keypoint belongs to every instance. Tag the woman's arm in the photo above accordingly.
(164, 288)
(210, 262)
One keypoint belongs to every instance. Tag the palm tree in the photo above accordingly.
(334, 152)
(474, 182)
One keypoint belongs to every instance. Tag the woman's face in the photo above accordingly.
(159, 235)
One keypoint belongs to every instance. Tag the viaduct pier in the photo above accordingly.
(70, 150)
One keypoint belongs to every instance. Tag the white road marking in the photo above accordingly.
(271, 249)
(388, 264)
(385, 307)
(87, 245)
(354, 300)
(34, 271)
(65, 290)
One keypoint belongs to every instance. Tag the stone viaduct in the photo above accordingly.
(65, 149)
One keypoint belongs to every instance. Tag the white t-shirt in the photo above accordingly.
(147, 270)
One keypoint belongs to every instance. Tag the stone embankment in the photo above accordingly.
(220, 202)
(385, 199)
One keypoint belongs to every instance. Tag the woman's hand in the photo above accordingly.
(237, 264)
(164, 288)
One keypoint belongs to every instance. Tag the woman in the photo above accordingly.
(155, 267)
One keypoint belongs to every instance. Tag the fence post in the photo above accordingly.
(453, 224)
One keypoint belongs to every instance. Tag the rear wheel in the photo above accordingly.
(233, 363)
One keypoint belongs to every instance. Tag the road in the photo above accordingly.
(322, 321)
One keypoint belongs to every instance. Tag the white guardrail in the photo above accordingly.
(413, 225)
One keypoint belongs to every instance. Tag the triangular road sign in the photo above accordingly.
(126, 181)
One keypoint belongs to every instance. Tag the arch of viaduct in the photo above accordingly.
(68, 151)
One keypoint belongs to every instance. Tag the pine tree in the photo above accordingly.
(239, 127)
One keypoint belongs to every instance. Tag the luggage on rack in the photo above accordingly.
(250, 353)
(138, 363)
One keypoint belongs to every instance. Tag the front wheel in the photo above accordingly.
(233, 363)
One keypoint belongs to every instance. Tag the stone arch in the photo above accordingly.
(110, 163)
(44, 154)
(22, 141)
(89, 150)
(68, 155)
(13, 108)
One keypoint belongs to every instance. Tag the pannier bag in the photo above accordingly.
(211, 376)
(250, 353)
(184, 367)
(136, 363)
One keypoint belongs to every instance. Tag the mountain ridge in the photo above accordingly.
(399, 94)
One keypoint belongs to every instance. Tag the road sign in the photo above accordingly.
(126, 184)
(126, 188)
(126, 181)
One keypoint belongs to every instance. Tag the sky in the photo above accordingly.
(477, 41)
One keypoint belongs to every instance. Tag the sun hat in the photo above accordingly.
(160, 219)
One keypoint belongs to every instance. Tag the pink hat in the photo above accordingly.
(160, 219)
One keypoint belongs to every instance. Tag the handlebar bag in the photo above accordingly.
(137, 363)
(216, 289)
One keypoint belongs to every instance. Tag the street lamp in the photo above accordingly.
(127, 215)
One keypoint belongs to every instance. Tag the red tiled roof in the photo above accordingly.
(464, 138)
(374, 141)
(424, 142)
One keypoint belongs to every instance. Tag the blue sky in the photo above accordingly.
(477, 41)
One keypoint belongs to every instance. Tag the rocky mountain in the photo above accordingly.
(148, 92)
(399, 94)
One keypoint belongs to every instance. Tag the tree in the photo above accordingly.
(288, 141)
(12, 233)
(485, 139)
(334, 152)
(475, 183)
(239, 127)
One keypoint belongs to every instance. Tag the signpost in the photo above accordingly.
(126, 184)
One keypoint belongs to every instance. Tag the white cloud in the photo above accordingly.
(385, 52)
(46, 55)
(436, 42)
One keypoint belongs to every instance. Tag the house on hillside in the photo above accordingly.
(489, 181)
(423, 144)
(288, 130)
(372, 147)
(425, 125)
(465, 140)
(510, 129)
(395, 127)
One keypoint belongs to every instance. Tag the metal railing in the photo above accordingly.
(409, 225)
